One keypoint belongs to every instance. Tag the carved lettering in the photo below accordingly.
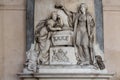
(60, 38)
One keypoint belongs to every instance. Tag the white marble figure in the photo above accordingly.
(84, 31)
(43, 34)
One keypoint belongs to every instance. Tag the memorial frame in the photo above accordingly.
(34, 70)
(30, 5)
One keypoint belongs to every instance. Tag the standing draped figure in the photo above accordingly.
(84, 30)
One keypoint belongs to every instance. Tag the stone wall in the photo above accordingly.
(111, 35)
(12, 37)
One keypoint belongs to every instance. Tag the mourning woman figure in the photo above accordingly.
(84, 31)
(43, 33)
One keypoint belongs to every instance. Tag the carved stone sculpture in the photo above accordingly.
(66, 38)
(43, 34)
(84, 31)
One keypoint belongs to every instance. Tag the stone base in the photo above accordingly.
(66, 76)
(67, 73)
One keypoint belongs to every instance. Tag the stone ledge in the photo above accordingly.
(70, 70)
(67, 76)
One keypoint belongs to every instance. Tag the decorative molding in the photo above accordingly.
(67, 76)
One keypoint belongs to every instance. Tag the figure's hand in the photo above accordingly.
(59, 6)
(59, 29)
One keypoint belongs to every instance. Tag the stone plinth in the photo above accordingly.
(67, 73)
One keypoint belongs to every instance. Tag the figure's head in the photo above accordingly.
(54, 15)
(83, 8)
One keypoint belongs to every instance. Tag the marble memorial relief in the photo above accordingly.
(64, 36)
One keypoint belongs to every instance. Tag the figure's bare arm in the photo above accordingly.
(53, 29)
(61, 7)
